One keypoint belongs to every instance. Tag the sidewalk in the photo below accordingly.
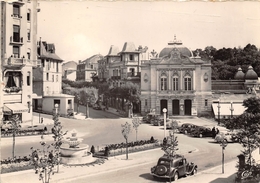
(72, 173)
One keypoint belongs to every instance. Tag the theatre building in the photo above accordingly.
(176, 80)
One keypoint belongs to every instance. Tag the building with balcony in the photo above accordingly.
(18, 57)
(88, 68)
(47, 82)
(176, 80)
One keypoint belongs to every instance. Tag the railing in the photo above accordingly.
(133, 74)
(16, 61)
(18, 40)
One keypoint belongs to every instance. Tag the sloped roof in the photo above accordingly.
(183, 51)
(129, 47)
(46, 54)
(113, 51)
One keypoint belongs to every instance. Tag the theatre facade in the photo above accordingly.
(177, 80)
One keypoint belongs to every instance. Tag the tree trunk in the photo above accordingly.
(13, 142)
(126, 149)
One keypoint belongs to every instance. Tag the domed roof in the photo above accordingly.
(175, 45)
(251, 74)
(239, 75)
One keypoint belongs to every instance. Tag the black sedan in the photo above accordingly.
(202, 131)
(186, 128)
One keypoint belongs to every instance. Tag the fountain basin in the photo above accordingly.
(67, 151)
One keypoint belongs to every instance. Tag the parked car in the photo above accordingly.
(186, 128)
(6, 125)
(158, 120)
(173, 167)
(201, 131)
(148, 117)
(228, 136)
(97, 107)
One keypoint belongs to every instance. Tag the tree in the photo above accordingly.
(248, 125)
(43, 162)
(58, 137)
(136, 124)
(170, 144)
(15, 119)
(126, 129)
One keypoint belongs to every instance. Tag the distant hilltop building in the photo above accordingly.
(69, 70)
(88, 68)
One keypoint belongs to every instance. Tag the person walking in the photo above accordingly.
(213, 131)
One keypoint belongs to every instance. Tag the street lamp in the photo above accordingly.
(56, 108)
(231, 109)
(223, 145)
(164, 120)
(219, 112)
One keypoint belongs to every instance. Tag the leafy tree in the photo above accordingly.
(126, 129)
(58, 135)
(43, 162)
(16, 125)
(248, 125)
(170, 144)
(136, 123)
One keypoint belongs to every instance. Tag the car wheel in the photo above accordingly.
(200, 135)
(175, 176)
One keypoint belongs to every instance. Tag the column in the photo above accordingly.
(193, 80)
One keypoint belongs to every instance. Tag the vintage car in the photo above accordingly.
(148, 117)
(186, 128)
(227, 136)
(6, 125)
(97, 107)
(202, 131)
(173, 167)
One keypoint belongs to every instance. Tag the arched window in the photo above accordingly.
(175, 83)
(187, 82)
(163, 82)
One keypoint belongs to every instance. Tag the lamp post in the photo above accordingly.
(56, 108)
(231, 109)
(164, 121)
(219, 112)
(223, 145)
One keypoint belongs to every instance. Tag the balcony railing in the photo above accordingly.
(18, 40)
(16, 61)
(133, 74)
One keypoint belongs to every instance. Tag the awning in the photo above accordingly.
(35, 96)
(224, 110)
(15, 108)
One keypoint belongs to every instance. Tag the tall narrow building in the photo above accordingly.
(18, 52)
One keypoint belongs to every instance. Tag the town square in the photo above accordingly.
(129, 92)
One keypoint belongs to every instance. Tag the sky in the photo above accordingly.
(81, 29)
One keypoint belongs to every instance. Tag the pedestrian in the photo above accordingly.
(41, 120)
(213, 131)
(217, 131)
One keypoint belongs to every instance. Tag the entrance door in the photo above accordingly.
(187, 107)
(164, 104)
(175, 107)
(35, 104)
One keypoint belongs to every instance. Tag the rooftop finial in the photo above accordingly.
(175, 41)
